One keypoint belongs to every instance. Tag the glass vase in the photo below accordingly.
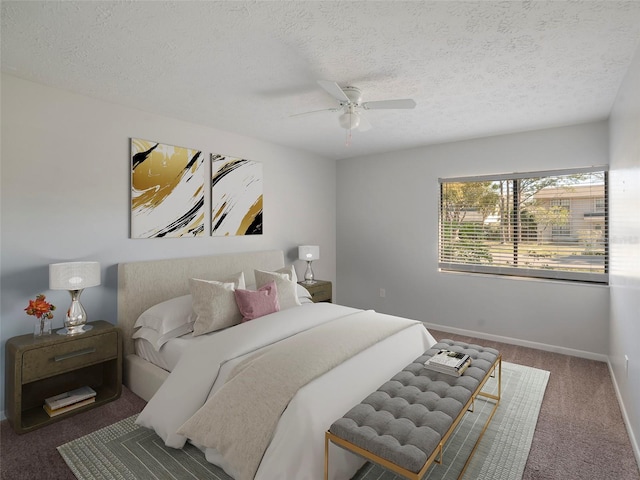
(42, 327)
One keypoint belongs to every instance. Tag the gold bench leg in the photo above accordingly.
(439, 459)
(326, 456)
(493, 411)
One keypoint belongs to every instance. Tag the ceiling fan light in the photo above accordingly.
(349, 120)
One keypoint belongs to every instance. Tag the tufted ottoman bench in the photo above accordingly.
(405, 423)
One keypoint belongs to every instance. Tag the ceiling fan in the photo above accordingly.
(351, 105)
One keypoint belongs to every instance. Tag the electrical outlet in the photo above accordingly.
(383, 293)
(626, 365)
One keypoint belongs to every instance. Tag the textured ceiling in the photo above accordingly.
(474, 68)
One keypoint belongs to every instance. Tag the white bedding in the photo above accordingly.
(297, 448)
(167, 356)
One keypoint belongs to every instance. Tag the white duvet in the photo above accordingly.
(296, 450)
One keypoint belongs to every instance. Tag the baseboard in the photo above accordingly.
(522, 343)
(632, 438)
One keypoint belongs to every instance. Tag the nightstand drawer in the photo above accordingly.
(43, 362)
(321, 292)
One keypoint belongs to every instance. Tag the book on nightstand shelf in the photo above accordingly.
(68, 408)
(448, 362)
(71, 397)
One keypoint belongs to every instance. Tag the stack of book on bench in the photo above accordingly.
(68, 401)
(449, 362)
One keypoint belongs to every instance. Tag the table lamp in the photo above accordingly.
(75, 277)
(308, 253)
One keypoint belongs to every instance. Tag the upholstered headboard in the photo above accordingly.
(144, 284)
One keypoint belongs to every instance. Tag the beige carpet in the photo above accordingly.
(572, 440)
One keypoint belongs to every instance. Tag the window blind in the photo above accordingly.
(551, 224)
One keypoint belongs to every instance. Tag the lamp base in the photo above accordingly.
(76, 321)
(74, 330)
(308, 274)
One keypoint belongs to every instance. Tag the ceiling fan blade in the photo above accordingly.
(333, 89)
(314, 111)
(403, 103)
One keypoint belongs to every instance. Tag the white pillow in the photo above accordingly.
(286, 284)
(157, 340)
(168, 316)
(214, 303)
(303, 293)
(289, 271)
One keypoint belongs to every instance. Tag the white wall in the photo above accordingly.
(65, 196)
(625, 247)
(387, 237)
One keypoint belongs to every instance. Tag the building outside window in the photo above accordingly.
(562, 230)
(584, 218)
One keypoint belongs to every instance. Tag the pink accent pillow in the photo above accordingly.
(257, 303)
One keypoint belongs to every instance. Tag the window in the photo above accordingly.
(542, 224)
(561, 231)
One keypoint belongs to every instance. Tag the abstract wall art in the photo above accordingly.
(236, 196)
(167, 190)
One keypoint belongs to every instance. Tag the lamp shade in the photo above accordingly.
(308, 252)
(74, 275)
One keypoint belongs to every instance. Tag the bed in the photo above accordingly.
(295, 446)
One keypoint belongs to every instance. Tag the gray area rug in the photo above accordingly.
(126, 451)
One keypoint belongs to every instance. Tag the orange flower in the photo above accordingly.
(40, 307)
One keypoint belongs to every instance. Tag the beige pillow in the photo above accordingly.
(214, 303)
(286, 284)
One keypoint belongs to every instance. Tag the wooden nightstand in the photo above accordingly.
(38, 368)
(320, 290)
